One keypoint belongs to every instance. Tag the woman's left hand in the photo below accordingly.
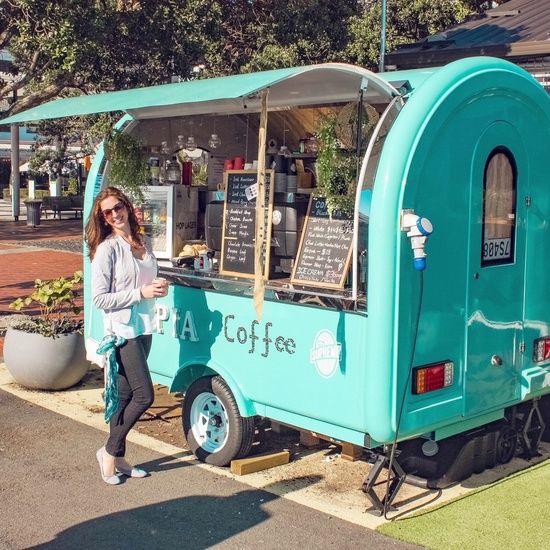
(153, 291)
(162, 285)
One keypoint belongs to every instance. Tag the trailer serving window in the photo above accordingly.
(230, 108)
(499, 208)
(364, 193)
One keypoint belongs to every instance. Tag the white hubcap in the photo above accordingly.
(209, 422)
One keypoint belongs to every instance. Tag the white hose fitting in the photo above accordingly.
(417, 229)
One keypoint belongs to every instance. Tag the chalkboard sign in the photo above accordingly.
(239, 222)
(325, 247)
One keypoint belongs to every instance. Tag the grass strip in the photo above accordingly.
(511, 513)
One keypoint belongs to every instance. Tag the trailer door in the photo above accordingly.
(496, 286)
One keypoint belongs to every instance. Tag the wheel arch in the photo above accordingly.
(187, 374)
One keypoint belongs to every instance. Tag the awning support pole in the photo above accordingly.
(260, 247)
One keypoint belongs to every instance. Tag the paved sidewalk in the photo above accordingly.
(53, 249)
(53, 497)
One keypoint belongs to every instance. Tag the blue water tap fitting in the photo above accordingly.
(420, 263)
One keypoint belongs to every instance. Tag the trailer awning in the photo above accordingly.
(310, 85)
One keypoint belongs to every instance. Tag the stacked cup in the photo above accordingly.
(292, 177)
(281, 167)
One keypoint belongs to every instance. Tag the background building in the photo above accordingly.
(518, 31)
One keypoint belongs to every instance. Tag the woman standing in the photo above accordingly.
(124, 287)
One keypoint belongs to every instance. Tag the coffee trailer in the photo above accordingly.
(453, 359)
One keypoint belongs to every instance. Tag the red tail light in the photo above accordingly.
(432, 377)
(541, 349)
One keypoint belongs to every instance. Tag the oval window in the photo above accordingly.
(499, 209)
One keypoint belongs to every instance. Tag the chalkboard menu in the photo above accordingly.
(239, 222)
(325, 247)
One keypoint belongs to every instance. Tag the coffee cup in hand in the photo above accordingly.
(162, 284)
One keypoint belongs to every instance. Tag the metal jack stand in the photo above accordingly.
(397, 478)
(532, 431)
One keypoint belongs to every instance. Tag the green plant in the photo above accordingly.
(128, 164)
(72, 186)
(335, 169)
(58, 310)
(6, 195)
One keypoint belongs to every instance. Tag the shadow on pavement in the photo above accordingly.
(48, 229)
(188, 522)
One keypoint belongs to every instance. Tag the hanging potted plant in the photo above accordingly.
(128, 165)
(335, 169)
(46, 351)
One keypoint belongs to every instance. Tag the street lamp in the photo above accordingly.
(15, 183)
(382, 36)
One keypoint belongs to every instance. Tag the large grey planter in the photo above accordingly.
(43, 363)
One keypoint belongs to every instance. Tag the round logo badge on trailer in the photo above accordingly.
(325, 353)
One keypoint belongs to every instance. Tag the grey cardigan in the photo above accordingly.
(114, 278)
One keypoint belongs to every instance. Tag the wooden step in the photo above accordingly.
(243, 466)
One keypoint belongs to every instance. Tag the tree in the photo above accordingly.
(102, 45)
(99, 45)
(265, 34)
(257, 35)
(61, 144)
(71, 46)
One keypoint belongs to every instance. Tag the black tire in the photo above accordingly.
(233, 434)
(507, 443)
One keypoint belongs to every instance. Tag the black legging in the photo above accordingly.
(135, 391)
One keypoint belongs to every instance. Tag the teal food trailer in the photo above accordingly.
(455, 167)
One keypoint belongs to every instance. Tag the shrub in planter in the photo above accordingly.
(46, 351)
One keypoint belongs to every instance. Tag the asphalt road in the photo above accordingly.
(51, 496)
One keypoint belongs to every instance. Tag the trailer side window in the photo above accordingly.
(499, 208)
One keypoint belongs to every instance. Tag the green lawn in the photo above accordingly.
(512, 513)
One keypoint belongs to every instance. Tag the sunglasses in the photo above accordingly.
(108, 212)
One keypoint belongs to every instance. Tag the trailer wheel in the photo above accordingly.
(506, 445)
(213, 427)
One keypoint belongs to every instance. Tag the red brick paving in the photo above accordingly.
(19, 269)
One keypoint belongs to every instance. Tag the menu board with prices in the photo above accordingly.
(325, 247)
(239, 223)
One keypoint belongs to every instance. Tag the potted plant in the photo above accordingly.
(128, 164)
(335, 169)
(46, 351)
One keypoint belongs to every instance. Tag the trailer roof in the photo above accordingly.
(414, 77)
(314, 84)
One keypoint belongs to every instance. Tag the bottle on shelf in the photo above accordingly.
(173, 171)
(154, 170)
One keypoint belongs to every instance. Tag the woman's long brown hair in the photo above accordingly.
(97, 228)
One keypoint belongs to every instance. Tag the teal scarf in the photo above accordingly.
(108, 347)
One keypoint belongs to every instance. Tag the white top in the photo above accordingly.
(142, 318)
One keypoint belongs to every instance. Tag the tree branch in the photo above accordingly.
(37, 98)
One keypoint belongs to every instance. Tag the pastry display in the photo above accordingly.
(193, 249)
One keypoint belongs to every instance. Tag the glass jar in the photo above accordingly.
(173, 171)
